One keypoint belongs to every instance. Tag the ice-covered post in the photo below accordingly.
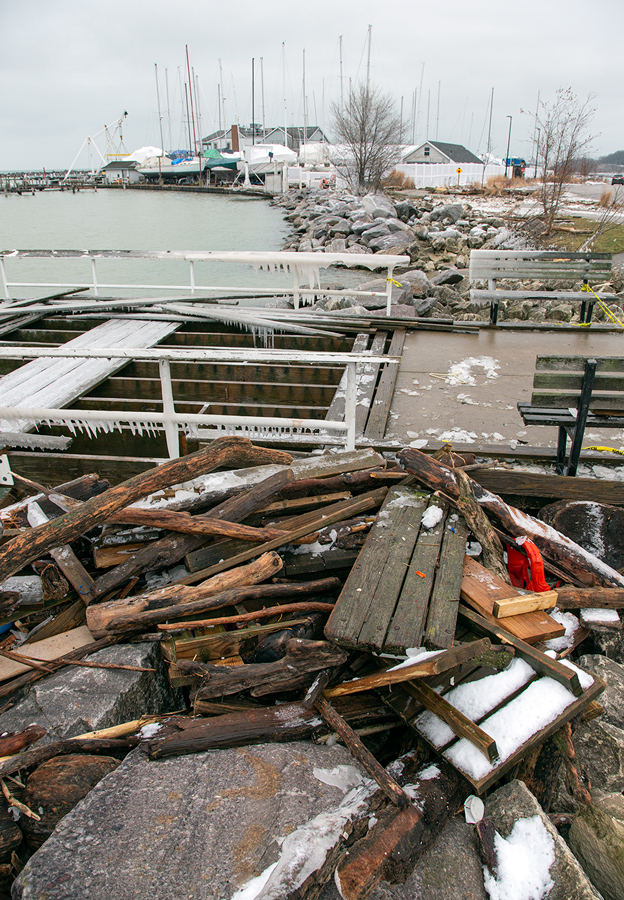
(171, 426)
(192, 275)
(350, 405)
(94, 276)
(389, 289)
(5, 283)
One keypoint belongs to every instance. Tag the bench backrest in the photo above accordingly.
(558, 380)
(539, 265)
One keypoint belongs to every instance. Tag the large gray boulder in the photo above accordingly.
(598, 527)
(401, 291)
(452, 211)
(597, 840)
(76, 699)
(421, 286)
(378, 205)
(508, 808)
(392, 243)
(599, 743)
(200, 826)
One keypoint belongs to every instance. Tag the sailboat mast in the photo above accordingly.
(162, 140)
(168, 108)
(341, 77)
(253, 100)
(188, 66)
(262, 90)
(188, 119)
(284, 88)
(370, 35)
(305, 116)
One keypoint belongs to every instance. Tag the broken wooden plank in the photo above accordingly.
(444, 601)
(461, 725)
(430, 665)
(480, 588)
(525, 603)
(535, 658)
(378, 416)
(331, 514)
(393, 791)
(590, 598)
(284, 609)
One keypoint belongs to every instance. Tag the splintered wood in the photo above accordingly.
(324, 599)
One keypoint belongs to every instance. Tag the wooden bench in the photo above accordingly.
(573, 392)
(538, 265)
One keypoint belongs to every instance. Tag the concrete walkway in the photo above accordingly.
(494, 370)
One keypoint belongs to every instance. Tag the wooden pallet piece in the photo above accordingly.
(359, 596)
(480, 588)
(408, 623)
(409, 700)
(378, 416)
(401, 535)
(444, 602)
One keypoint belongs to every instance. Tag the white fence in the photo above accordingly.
(446, 175)
(314, 431)
(304, 268)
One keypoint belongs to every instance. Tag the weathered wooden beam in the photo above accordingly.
(441, 662)
(232, 451)
(525, 603)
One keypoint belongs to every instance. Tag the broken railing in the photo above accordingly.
(170, 421)
(304, 268)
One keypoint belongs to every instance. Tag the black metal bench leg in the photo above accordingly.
(583, 311)
(581, 418)
(561, 450)
(493, 312)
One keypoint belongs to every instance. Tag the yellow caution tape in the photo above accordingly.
(606, 449)
(392, 281)
(608, 313)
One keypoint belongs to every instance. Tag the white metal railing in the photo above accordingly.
(171, 421)
(304, 267)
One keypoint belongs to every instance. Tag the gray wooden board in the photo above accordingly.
(378, 416)
(573, 381)
(384, 603)
(54, 382)
(444, 602)
(401, 535)
(555, 400)
(357, 597)
(408, 622)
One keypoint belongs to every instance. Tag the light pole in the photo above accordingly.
(508, 145)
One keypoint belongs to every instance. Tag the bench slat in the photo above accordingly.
(510, 294)
(569, 399)
(571, 381)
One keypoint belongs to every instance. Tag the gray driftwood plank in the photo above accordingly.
(444, 603)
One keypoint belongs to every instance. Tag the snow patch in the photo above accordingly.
(524, 861)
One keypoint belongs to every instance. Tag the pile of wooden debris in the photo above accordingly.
(329, 595)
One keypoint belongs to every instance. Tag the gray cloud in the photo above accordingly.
(68, 68)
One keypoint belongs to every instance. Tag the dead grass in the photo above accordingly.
(397, 181)
(611, 241)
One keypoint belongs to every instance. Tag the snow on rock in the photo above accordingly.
(524, 861)
(343, 777)
(571, 625)
(591, 617)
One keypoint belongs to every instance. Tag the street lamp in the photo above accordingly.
(508, 145)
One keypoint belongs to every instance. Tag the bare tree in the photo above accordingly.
(564, 126)
(368, 126)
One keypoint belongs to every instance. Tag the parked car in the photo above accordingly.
(617, 179)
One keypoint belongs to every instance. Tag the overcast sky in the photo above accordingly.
(70, 67)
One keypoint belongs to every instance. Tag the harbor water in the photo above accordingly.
(138, 220)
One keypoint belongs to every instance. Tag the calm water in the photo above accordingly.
(137, 220)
